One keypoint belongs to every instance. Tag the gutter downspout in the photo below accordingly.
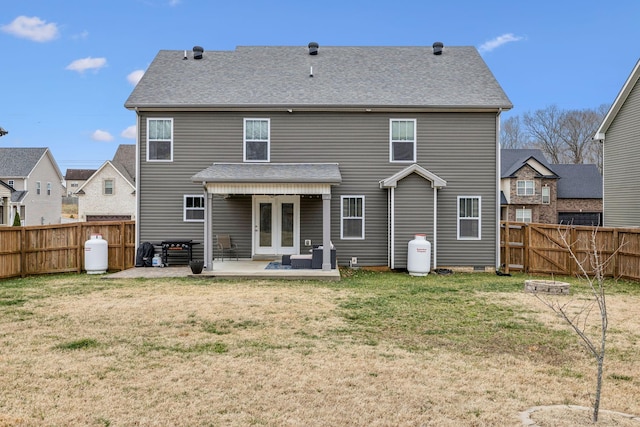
(435, 228)
(498, 166)
(137, 239)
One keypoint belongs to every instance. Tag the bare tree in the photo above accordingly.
(511, 133)
(591, 268)
(545, 130)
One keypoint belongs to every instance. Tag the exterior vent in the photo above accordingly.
(197, 52)
(313, 48)
(437, 48)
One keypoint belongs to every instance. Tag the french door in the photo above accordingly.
(276, 225)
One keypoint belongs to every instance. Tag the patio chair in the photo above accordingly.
(224, 244)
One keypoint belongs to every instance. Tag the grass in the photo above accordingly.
(376, 348)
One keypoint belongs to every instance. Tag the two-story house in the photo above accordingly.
(619, 134)
(109, 194)
(75, 178)
(532, 190)
(36, 178)
(284, 147)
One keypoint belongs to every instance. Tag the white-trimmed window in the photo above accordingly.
(469, 221)
(256, 140)
(546, 195)
(160, 140)
(38, 187)
(10, 182)
(526, 188)
(352, 217)
(402, 135)
(108, 187)
(523, 215)
(48, 188)
(193, 208)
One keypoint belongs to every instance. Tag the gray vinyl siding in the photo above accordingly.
(458, 147)
(621, 174)
(413, 214)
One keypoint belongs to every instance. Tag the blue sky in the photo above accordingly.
(67, 67)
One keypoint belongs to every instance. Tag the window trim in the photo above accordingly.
(11, 182)
(415, 140)
(468, 218)
(149, 140)
(342, 217)
(104, 187)
(525, 187)
(38, 187)
(244, 140)
(185, 208)
(546, 189)
(525, 210)
(48, 188)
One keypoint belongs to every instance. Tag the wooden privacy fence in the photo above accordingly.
(59, 248)
(540, 249)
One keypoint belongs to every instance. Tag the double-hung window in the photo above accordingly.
(469, 224)
(108, 187)
(352, 217)
(256, 140)
(402, 146)
(526, 188)
(48, 188)
(193, 208)
(160, 140)
(38, 187)
(546, 195)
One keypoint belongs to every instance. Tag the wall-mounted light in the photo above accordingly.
(3, 132)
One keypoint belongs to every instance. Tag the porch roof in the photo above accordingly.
(269, 178)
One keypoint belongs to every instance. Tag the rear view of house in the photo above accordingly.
(288, 147)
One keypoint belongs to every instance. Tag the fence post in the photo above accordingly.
(23, 252)
(616, 253)
(507, 245)
(572, 242)
(526, 236)
(80, 248)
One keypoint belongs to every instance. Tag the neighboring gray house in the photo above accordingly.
(75, 178)
(620, 136)
(284, 147)
(34, 174)
(110, 193)
(535, 191)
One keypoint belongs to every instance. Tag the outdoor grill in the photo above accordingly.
(181, 248)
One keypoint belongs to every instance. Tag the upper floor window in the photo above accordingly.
(526, 188)
(546, 195)
(352, 217)
(523, 215)
(469, 217)
(10, 182)
(194, 208)
(74, 185)
(108, 187)
(402, 146)
(48, 188)
(37, 187)
(160, 140)
(256, 140)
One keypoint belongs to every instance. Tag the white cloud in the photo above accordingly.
(174, 2)
(130, 133)
(32, 28)
(135, 76)
(101, 135)
(499, 41)
(81, 65)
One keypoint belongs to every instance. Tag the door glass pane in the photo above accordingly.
(265, 224)
(287, 226)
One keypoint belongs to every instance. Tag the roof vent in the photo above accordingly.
(437, 48)
(197, 52)
(313, 48)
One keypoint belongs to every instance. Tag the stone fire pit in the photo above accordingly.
(546, 287)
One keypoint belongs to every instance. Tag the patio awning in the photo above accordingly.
(269, 178)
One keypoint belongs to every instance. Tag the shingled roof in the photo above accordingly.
(19, 162)
(337, 77)
(579, 182)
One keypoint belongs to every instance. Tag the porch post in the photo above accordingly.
(208, 225)
(326, 232)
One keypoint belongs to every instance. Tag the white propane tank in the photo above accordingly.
(419, 256)
(96, 255)
(156, 261)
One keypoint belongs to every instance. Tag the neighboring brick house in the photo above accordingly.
(532, 190)
(110, 193)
